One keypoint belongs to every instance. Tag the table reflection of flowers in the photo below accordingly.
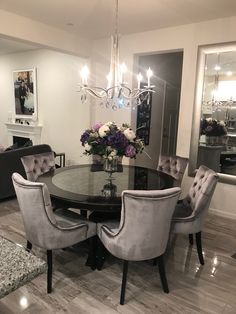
(111, 142)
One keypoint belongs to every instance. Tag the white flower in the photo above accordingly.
(129, 134)
(222, 123)
(103, 130)
(87, 147)
(113, 153)
(109, 123)
(209, 119)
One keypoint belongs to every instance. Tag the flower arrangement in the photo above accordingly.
(212, 127)
(111, 141)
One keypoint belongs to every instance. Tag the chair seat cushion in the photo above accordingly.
(66, 218)
(183, 212)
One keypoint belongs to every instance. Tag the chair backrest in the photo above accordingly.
(201, 191)
(36, 165)
(35, 205)
(173, 165)
(145, 223)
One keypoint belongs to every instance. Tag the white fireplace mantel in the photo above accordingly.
(33, 132)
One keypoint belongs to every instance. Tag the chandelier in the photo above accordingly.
(117, 94)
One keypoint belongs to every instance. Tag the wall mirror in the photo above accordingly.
(213, 140)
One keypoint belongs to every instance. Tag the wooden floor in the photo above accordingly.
(78, 289)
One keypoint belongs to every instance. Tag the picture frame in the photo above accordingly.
(25, 93)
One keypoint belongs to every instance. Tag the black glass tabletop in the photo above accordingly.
(89, 187)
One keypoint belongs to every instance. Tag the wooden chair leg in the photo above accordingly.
(124, 280)
(162, 272)
(190, 236)
(199, 247)
(29, 246)
(49, 274)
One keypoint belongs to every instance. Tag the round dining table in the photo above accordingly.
(89, 187)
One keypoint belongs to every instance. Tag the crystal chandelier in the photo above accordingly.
(117, 94)
(216, 103)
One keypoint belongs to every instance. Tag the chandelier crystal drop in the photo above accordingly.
(117, 94)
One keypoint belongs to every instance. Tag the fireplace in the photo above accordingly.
(25, 132)
(22, 141)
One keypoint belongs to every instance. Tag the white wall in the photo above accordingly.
(188, 38)
(60, 110)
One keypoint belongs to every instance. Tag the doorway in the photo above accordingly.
(164, 110)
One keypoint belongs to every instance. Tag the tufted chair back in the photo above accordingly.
(173, 165)
(36, 165)
(197, 201)
(144, 226)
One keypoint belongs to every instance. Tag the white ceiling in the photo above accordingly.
(95, 18)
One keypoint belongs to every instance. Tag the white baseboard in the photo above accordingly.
(223, 213)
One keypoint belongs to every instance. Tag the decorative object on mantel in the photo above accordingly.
(109, 143)
(214, 130)
(117, 94)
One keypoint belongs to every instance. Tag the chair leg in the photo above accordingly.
(124, 280)
(190, 236)
(29, 245)
(49, 274)
(199, 247)
(162, 272)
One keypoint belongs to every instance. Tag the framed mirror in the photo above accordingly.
(213, 138)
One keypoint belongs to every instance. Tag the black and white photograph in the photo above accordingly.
(25, 92)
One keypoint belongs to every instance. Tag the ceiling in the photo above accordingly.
(94, 19)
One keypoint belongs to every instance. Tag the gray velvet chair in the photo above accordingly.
(43, 227)
(191, 212)
(174, 166)
(143, 230)
(36, 165)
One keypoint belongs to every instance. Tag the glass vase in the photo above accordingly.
(110, 165)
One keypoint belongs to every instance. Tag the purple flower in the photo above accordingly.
(84, 137)
(97, 126)
(130, 151)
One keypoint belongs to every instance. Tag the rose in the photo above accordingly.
(129, 134)
(130, 151)
(221, 123)
(103, 130)
(97, 126)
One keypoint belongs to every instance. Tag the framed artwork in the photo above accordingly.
(25, 93)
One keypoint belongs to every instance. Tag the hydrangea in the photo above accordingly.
(111, 141)
(212, 127)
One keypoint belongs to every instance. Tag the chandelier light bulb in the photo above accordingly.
(109, 79)
(139, 78)
(149, 75)
(123, 69)
(229, 73)
(217, 67)
(84, 74)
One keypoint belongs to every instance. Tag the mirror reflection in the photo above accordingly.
(217, 140)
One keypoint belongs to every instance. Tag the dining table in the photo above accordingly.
(89, 187)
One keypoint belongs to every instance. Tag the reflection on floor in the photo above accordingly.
(193, 288)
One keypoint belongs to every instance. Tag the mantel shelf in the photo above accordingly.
(33, 132)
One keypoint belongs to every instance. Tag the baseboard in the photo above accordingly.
(222, 213)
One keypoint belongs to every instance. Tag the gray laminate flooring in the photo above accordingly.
(77, 289)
